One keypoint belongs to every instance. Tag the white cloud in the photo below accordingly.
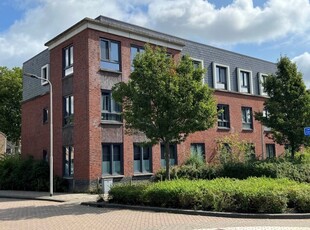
(238, 22)
(235, 23)
(47, 18)
(302, 62)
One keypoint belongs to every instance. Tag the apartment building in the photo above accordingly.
(86, 60)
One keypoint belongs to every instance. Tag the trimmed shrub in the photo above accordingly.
(127, 193)
(254, 195)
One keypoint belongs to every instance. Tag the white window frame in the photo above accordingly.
(68, 60)
(44, 82)
(260, 84)
(202, 66)
(215, 84)
(239, 70)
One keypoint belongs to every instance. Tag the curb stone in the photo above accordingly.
(201, 212)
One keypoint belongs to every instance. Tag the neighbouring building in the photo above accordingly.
(86, 60)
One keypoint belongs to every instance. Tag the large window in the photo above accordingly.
(68, 60)
(221, 76)
(173, 155)
(112, 159)
(68, 110)
(110, 55)
(44, 74)
(198, 149)
(247, 119)
(133, 52)
(270, 150)
(110, 111)
(223, 116)
(142, 158)
(68, 161)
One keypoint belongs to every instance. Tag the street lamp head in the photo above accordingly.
(31, 75)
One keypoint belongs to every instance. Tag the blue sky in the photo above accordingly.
(264, 29)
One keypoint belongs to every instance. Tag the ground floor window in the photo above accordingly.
(270, 150)
(142, 158)
(112, 159)
(45, 155)
(198, 149)
(68, 161)
(173, 155)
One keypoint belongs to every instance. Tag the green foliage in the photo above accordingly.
(10, 102)
(127, 193)
(196, 160)
(303, 156)
(270, 168)
(288, 106)
(26, 174)
(254, 195)
(165, 100)
(230, 149)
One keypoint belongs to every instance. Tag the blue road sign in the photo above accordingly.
(307, 131)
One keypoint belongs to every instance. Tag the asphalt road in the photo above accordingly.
(35, 214)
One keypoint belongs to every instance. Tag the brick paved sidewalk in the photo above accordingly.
(57, 197)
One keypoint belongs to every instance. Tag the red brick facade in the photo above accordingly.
(88, 132)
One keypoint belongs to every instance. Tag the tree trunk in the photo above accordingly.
(167, 158)
(294, 150)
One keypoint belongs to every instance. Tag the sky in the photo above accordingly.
(265, 29)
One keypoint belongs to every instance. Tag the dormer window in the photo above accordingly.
(244, 80)
(44, 74)
(221, 76)
(261, 81)
(197, 63)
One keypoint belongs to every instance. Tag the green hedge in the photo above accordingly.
(274, 169)
(26, 174)
(254, 195)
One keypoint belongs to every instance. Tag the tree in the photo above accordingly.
(10, 102)
(288, 106)
(165, 100)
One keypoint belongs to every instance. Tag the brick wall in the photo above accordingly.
(35, 135)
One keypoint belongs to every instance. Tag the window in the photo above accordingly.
(221, 76)
(68, 110)
(111, 111)
(270, 150)
(45, 156)
(45, 115)
(244, 81)
(133, 52)
(261, 81)
(198, 149)
(110, 55)
(112, 159)
(68, 60)
(250, 151)
(142, 158)
(44, 74)
(68, 161)
(223, 117)
(266, 114)
(226, 148)
(197, 63)
(173, 155)
(247, 121)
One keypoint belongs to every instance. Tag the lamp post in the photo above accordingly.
(51, 126)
